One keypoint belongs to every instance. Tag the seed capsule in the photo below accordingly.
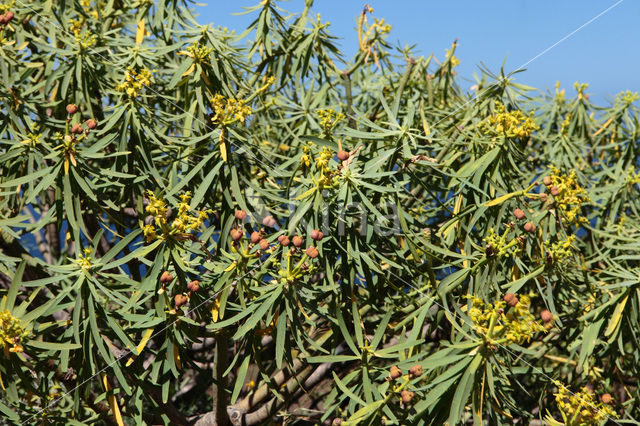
(194, 286)
(312, 252)
(555, 191)
(297, 241)
(72, 109)
(394, 372)
(256, 237)
(406, 396)
(240, 214)
(180, 300)
(343, 155)
(236, 234)
(519, 214)
(547, 180)
(285, 242)
(606, 398)
(337, 421)
(511, 299)
(92, 124)
(317, 235)
(264, 244)
(269, 222)
(546, 316)
(415, 371)
(166, 277)
(529, 227)
(77, 129)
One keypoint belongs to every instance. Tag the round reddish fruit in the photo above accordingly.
(406, 396)
(264, 244)
(256, 237)
(394, 372)
(511, 299)
(285, 241)
(312, 252)
(92, 124)
(72, 109)
(297, 241)
(166, 277)
(77, 129)
(317, 235)
(240, 214)
(546, 315)
(269, 222)
(555, 191)
(180, 300)
(343, 155)
(415, 371)
(529, 227)
(519, 214)
(194, 286)
(543, 197)
(606, 398)
(236, 234)
(547, 180)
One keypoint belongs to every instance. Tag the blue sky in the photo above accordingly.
(605, 53)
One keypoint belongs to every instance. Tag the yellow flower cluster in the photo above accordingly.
(135, 81)
(627, 97)
(564, 127)
(85, 40)
(378, 28)
(199, 52)
(512, 124)
(329, 118)
(581, 409)
(7, 5)
(184, 223)
(84, 260)
(517, 325)
(228, 110)
(12, 332)
(633, 177)
(499, 246)
(305, 159)
(561, 250)
(571, 196)
(452, 58)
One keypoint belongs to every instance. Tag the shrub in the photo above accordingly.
(199, 226)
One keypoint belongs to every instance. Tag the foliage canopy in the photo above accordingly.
(199, 226)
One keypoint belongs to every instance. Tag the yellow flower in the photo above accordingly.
(135, 80)
(12, 332)
(512, 124)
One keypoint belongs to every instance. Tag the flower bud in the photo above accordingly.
(312, 252)
(72, 109)
(92, 124)
(240, 214)
(269, 222)
(194, 286)
(343, 155)
(297, 241)
(317, 235)
(415, 371)
(529, 227)
(256, 237)
(406, 396)
(394, 372)
(264, 244)
(519, 214)
(546, 315)
(166, 277)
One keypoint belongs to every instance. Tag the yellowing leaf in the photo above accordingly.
(145, 339)
(215, 308)
(190, 70)
(176, 357)
(113, 402)
(140, 32)
(502, 199)
(615, 318)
